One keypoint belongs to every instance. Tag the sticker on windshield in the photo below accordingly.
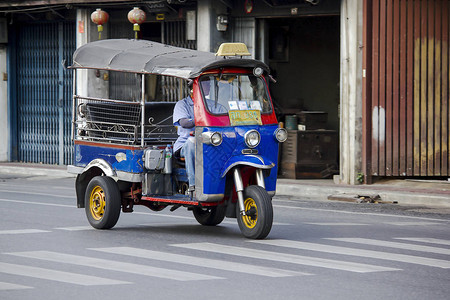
(255, 105)
(233, 105)
(243, 105)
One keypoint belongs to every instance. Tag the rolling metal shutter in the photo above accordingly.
(44, 92)
(407, 96)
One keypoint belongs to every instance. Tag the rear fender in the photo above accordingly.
(96, 167)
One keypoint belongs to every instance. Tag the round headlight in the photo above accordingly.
(281, 135)
(216, 139)
(252, 138)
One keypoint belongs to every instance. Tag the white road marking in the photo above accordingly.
(337, 224)
(357, 213)
(80, 279)
(394, 245)
(287, 258)
(431, 262)
(76, 228)
(412, 223)
(38, 203)
(4, 286)
(37, 193)
(20, 186)
(427, 240)
(201, 262)
(22, 231)
(114, 265)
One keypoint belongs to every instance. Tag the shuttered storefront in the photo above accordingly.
(43, 92)
(407, 87)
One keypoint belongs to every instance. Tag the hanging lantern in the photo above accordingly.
(99, 17)
(136, 16)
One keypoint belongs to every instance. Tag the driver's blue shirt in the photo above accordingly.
(183, 109)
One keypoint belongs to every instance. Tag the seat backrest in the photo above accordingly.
(159, 122)
(159, 113)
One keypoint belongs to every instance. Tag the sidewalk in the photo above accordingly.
(402, 191)
(408, 191)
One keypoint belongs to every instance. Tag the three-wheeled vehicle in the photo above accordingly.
(123, 147)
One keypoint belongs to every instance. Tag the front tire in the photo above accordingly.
(257, 222)
(102, 202)
(210, 216)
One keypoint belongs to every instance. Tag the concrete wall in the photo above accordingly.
(208, 38)
(89, 82)
(351, 91)
(4, 118)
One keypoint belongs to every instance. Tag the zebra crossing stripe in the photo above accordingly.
(431, 262)
(394, 245)
(201, 262)
(287, 258)
(112, 265)
(4, 286)
(427, 240)
(41, 273)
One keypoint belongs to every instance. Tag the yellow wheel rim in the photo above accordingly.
(97, 203)
(251, 218)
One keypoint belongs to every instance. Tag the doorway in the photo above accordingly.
(303, 55)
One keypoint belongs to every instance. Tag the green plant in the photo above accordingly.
(360, 177)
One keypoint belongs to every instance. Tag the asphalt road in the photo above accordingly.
(316, 250)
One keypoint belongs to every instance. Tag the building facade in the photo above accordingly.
(376, 71)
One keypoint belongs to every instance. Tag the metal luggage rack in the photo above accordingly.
(106, 120)
(116, 121)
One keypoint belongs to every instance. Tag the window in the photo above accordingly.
(225, 92)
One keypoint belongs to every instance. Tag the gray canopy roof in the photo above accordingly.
(142, 56)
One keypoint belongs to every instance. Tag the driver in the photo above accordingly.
(183, 118)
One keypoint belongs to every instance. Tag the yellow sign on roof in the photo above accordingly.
(233, 49)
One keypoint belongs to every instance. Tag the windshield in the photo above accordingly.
(225, 92)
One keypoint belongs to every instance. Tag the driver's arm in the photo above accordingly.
(186, 123)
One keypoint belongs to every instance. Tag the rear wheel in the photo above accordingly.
(102, 202)
(210, 216)
(258, 219)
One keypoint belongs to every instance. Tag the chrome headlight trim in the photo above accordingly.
(281, 135)
(212, 138)
(252, 138)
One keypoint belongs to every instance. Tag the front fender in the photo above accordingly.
(256, 161)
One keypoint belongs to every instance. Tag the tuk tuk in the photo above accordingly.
(123, 148)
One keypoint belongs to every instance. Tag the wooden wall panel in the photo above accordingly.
(409, 86)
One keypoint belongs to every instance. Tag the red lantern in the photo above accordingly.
(136, 16)
(99, 17)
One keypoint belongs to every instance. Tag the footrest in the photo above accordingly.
(173, 199)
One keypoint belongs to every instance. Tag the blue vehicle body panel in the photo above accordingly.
(216, 159)
(123, 159)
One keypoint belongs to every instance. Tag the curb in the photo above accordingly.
(402, 196)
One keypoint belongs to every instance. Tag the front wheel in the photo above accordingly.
(102, 202)
(258, 219)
